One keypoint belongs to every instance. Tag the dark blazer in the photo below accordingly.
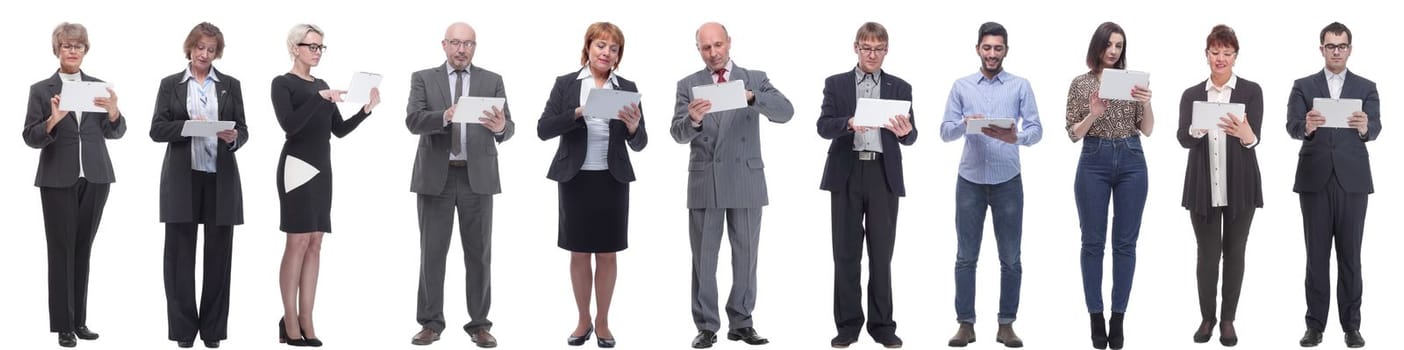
(429, 98)
(559, 120)
(58, 155)
(1329, 150)
(167, 120)
(840, 102)
(1245, 185)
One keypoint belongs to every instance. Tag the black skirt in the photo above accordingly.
(594, 213)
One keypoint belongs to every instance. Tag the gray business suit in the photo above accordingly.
(726, 181)
(72, 205)
(442, 188)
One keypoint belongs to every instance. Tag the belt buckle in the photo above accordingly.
(867, 155)
(458, 163)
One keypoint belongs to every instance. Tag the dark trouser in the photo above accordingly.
(1221, 233)
(435, 236)
(211, 320)
(1339, 215)
(71, 218)
(865, 208)
(1110, 170)
(1006, 201)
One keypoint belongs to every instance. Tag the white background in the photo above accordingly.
(370, 263)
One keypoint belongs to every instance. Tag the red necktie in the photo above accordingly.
(721, 75)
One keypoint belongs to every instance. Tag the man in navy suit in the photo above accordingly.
(1333, 180)
(863, 174)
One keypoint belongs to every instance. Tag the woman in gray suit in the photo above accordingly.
(74, 177)
(199, 185)
(594, 172)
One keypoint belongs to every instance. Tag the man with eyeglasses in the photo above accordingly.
(990, 178)
(726, 182)
(1333, 182)
(863, 174)
(455, 168)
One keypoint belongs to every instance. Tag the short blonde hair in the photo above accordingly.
(602, 31)
(299, 32)
(70, 32)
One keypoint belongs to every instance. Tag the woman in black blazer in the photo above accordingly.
(593, 171)
(74, 177)
(199, 185)
(1223, 186)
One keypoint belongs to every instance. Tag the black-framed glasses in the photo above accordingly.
(467, 44)
(872, 51)
(313, 47)
(1336, 47)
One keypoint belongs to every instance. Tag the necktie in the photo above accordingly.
(721, 75)
(456, 134)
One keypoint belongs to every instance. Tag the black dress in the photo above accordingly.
(308, 121)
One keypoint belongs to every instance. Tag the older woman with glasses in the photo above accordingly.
(199, 185)
(74, 177)
(306, 109)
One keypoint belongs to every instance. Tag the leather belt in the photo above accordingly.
(458, 163)
(868, 155)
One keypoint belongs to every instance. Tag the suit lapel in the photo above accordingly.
(182, 93)
(1347, 89)
(888, 91)
(221, 92)
(1323, 89)
(441, 80)
(478, 84)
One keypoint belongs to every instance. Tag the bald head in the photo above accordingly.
(460, 42)
(714, 44)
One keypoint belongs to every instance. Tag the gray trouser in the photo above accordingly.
(705, 229)
(435, 236)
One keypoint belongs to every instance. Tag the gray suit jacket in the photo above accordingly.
(58, 155)
(429, 98)
(725, 169)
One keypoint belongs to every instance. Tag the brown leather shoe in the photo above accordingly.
(1007, 337)
(425, 336)
(482, 338)
(964, 336)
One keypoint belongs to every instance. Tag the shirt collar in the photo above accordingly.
(466, 70)
(858, 74)
(189, 76)
(729, 68)
(1000, 77)
(585, 73)
(1330, 76)
(1232, 84)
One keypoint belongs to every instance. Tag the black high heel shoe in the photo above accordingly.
(312, 342)
(580, 340)
(283, 336)
(604, 343)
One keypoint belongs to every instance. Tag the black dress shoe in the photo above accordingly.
(575, 340)
(425, 336)
(212, 344)
(185, 344)
(748, 335)
(1099, 331)
(84, 333)
(1116, 336)
(67, 340)
(889, 341)
(1310, 338)
(482, 338)
(1353, 339)
(704, 339)
(843, 341)
(604, 342)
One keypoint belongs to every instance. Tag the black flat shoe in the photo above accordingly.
(1205, 331)
(604, 343)
(1116, 336)
(843, 341)
(1099, 331)
(67, 340)
(704, 339)
(748, 335)
(1227, 335)
(575, 340)
(84, 333)
(212, 344)
(185, 344)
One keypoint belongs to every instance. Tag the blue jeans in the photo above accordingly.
(1110, 170)
(1006, 201)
